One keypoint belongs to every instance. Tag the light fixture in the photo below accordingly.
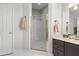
(71, 5)
(39, 3)
(75, 7)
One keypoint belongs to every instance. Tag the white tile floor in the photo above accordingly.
(29, 53)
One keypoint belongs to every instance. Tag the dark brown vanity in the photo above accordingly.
(62, 48)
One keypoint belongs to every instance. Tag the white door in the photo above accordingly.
(6, 17)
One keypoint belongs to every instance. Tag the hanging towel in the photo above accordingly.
(66, 27)
(23, 24)
(55, 29)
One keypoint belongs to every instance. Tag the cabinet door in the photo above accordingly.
(58, 48)
(71, 49)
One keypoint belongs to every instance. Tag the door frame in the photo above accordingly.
(46, 48)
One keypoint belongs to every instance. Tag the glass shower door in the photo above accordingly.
(38, 33)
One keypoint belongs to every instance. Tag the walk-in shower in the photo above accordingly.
(39, 28)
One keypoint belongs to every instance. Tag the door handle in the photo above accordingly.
(10, 32)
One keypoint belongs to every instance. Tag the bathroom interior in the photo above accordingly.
(39, 29)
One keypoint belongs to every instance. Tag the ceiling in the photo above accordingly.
(39, 7)
(72, 8)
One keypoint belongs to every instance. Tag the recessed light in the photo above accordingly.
(39, 3)
(71, 5)
(75, 7)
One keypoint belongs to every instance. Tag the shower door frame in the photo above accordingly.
(46, 29)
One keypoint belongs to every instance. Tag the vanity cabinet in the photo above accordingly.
(58, 47)
(61, 48)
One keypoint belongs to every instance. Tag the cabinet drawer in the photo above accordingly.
(71, 49)
(58, 52)
(55, 46)
(55, 52)
(58, 42)
(61, 48)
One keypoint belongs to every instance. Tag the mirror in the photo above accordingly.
(65, 19)
(70, 19)
(73, 18)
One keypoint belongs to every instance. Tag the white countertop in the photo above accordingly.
(59, 37)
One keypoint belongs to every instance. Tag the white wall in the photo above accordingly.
(53, 14)
(56, 15)
(18, 40)
(65, 17)
(27, 11)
